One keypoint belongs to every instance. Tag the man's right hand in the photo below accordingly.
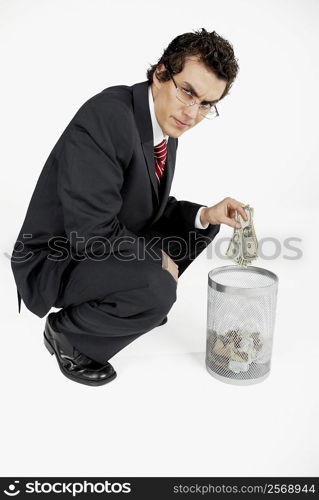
(170, 265)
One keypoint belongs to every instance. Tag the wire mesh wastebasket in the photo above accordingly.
(241, 309)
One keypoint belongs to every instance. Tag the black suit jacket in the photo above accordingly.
(98, 182)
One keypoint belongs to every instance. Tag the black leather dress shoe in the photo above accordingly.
(164, 321)
(74, 364)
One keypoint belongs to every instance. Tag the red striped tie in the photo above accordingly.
(160, 152)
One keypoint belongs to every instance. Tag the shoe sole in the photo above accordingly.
(68, 375)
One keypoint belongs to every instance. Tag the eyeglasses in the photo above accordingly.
(185, 96)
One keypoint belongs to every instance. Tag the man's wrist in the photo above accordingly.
(203, 216)
(198, 224)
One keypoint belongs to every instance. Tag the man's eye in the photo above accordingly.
(207, 106)
(187, 91)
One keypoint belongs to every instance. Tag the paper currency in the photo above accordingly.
(237, 349)
(244, 244)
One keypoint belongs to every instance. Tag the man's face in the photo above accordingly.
(168, 108)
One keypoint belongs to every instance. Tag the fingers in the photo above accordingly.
(170, 265)
(164, 260)
(174, 273)
(173, 269)
(232, 223)
(237, 205)
(242, 212)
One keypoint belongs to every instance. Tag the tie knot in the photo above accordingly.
(160, 147)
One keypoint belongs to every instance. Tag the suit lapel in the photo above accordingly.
(148, 149)
(144, 125)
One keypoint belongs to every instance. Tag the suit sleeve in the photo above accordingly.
(178, 219)
(96, 150)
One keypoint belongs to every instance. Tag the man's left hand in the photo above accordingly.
(223, 213)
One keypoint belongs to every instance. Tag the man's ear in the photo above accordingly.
(160, 68)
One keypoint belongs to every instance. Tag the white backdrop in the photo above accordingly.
(165, 415)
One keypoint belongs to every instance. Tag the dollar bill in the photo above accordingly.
(243, 246)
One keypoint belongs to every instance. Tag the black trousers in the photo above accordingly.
(107, 304)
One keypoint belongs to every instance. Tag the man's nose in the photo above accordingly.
(191, 112)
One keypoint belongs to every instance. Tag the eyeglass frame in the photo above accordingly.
(194, 102)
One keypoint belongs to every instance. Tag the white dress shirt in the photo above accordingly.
(158, 136)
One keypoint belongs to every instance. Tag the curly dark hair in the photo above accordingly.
(214, 51)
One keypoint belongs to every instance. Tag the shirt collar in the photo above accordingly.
(158, 134)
